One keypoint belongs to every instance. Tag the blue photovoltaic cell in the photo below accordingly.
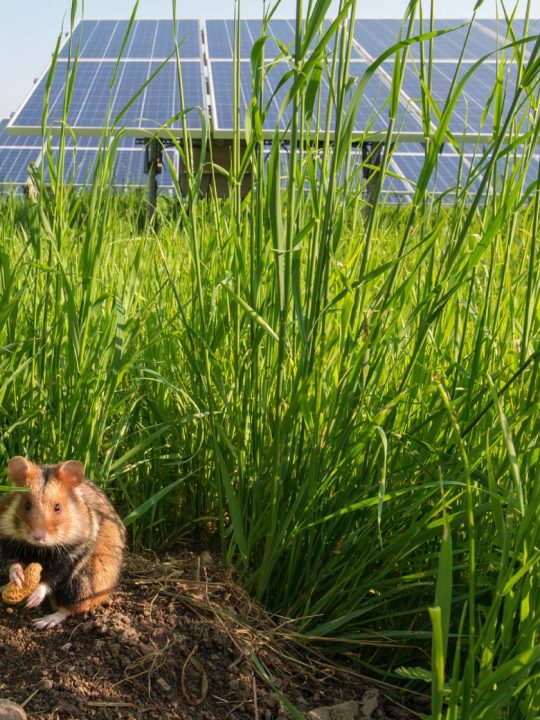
(148, 39)
(18, 151)
(451, 172)
(91, 94)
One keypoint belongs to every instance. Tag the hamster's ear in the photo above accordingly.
(71, 472)
(18, 470)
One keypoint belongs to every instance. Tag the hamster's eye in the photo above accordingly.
(57, 507)
(27, 505)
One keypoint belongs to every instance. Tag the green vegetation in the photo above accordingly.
(346, 398)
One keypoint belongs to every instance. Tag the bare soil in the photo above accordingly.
(180, 640)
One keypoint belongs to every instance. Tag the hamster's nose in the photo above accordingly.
(39, 536)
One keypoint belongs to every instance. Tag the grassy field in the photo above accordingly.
(343, 398)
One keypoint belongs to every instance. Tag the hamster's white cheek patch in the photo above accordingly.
(7, 522)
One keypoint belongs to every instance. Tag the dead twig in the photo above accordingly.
(204, 679)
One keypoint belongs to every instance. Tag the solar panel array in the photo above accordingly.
(104, 89)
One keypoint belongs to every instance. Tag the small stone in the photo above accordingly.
(11, 711)
(45, 684)
(344, 711)
(370, 702)
(205, 558)
(69, 708)
(66, 646)
(9, 610)
(163, 684)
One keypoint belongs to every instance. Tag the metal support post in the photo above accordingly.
(153, 151)
(371, 163)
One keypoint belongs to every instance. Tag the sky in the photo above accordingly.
(29, 28)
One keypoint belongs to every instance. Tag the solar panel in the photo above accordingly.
(372, 113)
(452, 173)
(16, 155)
(129, 169)
(94, 93)
(222, 83)
(14, 164)
(474, 109)
(79, 166)
(98, 43)
(17, 152)
(447, 174)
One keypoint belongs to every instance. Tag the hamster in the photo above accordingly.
(66, 524)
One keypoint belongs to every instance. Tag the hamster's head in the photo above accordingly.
(51, 512)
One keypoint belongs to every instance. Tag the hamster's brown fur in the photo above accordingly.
(65, 523)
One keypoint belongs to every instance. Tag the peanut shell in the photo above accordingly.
(12, 594)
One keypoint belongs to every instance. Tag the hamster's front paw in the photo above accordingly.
(38, 596)
(49, 621)
(16, 574)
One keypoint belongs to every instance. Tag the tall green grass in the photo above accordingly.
(344, 398)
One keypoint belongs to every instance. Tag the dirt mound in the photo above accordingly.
(179, 640)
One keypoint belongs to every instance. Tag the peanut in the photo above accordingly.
(12, 594)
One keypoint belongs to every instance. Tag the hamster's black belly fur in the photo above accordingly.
(64, 568)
